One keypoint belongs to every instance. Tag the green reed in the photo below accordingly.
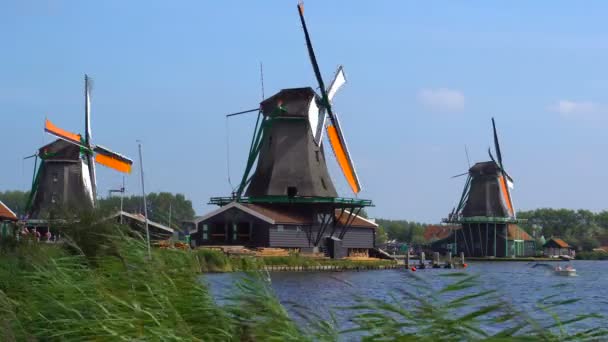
(100, 285)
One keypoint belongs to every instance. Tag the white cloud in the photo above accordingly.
(569, 108)
(442, 99)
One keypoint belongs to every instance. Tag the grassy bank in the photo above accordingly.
(591, 256)
(212, 261)
(102, 286)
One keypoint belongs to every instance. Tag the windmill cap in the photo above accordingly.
(295, 102)
(484, 168)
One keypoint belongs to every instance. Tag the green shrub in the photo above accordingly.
(593, 255)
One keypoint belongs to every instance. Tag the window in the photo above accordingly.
(280, 228)
(205, 232)
(323, 183)
(55, 177)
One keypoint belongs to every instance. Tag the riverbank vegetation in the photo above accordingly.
(101, 285)
(583, 229)
(215, 261)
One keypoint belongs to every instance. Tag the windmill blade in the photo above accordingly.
(505, 178)
(73, 138)
(338, 144)
(497, 145)
(87, 110)
(337, 83)
(334, 132)
(88, 136)
(504, 185)
(32, 156)
(315, 65)
(318, 119)
(112, 159)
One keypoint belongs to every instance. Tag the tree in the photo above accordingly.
(403, 231)
(381, 236)
(16, 200)
(159, 207)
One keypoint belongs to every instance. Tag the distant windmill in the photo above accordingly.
(487, 190)
(66, 175)
(486, 213)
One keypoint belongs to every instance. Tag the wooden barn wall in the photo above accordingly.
(290, 236)
(359, 238)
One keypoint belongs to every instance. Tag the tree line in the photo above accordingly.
(581, 228)
(162, 207)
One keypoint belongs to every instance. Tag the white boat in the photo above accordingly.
(567, 271)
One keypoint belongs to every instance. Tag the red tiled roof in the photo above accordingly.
(515, 232)
(6, 213)
(304, 217)
(438, 232)
(559, 242)
(281, 216)
(357, 221)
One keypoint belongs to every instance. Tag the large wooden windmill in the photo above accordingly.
(486, 214)
(65, 179)
(286, 172)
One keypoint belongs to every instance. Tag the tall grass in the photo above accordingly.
(101, 286)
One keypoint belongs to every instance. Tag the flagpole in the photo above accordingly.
(143, 191)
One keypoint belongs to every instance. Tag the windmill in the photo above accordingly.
(286, 170)
(66, 174)
(488, 186)
(485, 212)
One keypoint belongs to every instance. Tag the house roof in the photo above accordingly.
(141, 219)
(515, 232)
(282, 215)
(438, 232)
(6, 213)
(556, 242)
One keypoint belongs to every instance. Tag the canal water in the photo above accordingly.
(517, 283)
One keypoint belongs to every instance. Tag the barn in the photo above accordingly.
(290, 227)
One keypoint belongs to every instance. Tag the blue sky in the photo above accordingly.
(424, 80)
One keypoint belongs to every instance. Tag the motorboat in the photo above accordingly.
(567, 271)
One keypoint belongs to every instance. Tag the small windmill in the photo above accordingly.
(485, 215)
(66, 174)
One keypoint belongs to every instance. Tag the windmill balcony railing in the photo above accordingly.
(485, 219)
(341, 201)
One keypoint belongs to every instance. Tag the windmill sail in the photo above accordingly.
(318, 122)
(73, 138)
(338, 144)
(112, 159)
(87, 136)
(504, 178)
